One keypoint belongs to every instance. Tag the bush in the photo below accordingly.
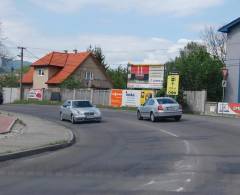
(161, 92)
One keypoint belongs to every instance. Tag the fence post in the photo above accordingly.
(91, 95)
(110, 97)
(74, 94)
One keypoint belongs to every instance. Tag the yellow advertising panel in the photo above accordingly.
(172, 84)
(145, 94)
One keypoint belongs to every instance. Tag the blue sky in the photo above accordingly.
(140, 31)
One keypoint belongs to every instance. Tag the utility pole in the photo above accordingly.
(21, 72)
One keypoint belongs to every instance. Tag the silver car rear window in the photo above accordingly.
(166, 101)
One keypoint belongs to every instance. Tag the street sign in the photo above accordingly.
(224, 83)
(224, 73)
(173, 84)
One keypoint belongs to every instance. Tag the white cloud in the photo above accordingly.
(199, 27)
(117, 48)
(157, 7)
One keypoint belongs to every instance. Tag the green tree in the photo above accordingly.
(98, 54)
(198, 70)
(119, 77)
(9, 80)
(71, 83)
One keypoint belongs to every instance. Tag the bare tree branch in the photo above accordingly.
(215, 42)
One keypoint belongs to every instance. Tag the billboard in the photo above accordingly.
(229, 108)
(173, 84)
(145, 76)
(116, 97)
(35, 94)
(131, 98)
(145, 94)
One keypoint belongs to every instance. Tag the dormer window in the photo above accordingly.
(40, 72)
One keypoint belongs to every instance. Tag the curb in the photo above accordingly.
(35, 151)
(11, 125)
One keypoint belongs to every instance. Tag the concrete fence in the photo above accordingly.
(98, 97)
(195, 101)
(211, 108)
(10, 95)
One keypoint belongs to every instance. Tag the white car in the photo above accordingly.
(79, 110)
(162, 107)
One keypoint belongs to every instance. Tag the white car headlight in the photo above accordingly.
(97, 112)
(77, 112)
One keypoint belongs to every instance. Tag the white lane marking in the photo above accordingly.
(188, 180)
(150, 183)
(187, 146)
(179, 189)
(169, 133)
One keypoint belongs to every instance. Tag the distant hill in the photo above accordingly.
(7, 64)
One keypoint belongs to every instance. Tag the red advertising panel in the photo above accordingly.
(235, 107)
(116, 97)
(229, 108)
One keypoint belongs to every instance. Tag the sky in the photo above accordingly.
(137, 31)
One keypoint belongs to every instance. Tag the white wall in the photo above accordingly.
(196, 100)
(10, 95)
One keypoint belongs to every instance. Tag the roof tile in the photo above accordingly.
(28, 77)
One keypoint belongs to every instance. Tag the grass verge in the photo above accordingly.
(37, 102)
(134, 109)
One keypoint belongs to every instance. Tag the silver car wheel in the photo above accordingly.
(61, 116)
(72, 119)
(139, 115)
(152, 117)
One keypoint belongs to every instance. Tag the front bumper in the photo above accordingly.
(87, 118)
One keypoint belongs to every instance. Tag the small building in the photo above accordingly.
(233, 60)
(54, 68)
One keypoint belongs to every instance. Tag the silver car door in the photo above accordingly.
(148, 108)
(144, 109)
(68, 110)
(63, 109)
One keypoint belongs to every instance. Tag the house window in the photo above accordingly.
(88, 76)
(40, 72)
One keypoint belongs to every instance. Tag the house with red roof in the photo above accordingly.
(56, 67)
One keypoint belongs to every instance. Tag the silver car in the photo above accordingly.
(162, 107)
(79, 110)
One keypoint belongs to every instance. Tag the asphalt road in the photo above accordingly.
(121, 155)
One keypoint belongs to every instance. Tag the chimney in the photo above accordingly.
(65, 51)
(75, 51)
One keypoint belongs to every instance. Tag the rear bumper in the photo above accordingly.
(167, 114)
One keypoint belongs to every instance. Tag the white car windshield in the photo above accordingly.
(81, 104)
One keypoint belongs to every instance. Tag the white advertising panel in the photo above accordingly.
(131, 98)
(35, 94)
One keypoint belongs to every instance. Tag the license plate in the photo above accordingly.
(171, 108)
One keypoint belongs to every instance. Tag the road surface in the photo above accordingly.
(121, 155)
